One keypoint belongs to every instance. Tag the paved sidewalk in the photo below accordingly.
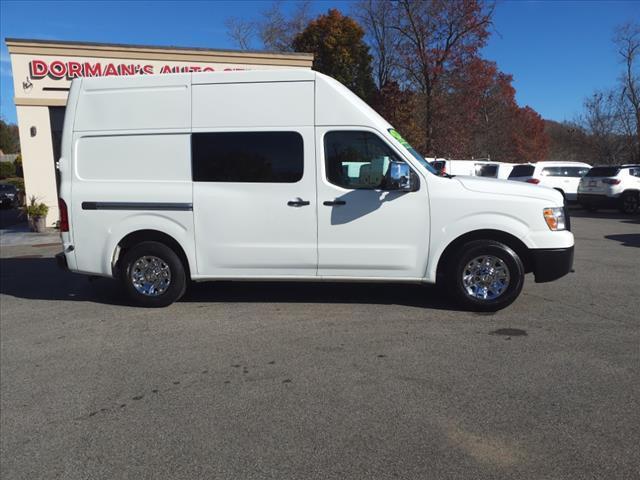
(16, 235)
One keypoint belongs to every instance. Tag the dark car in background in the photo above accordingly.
(8, 195)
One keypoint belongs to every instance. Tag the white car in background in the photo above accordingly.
(504, 170)
(614, 186)
(563, 176)
(469, 168)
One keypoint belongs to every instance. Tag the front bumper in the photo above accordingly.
(551, 263)
(598, 201)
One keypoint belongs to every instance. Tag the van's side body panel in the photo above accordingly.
(130, 168)
(248, 229)
(499, 205)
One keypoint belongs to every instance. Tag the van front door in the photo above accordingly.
(365, 231)
(254, 203)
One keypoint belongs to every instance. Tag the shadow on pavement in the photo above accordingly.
(10, 219)
(319, 292)
(626, 239)
(41, 279)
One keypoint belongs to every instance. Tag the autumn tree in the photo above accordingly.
(478, 116)
(240, 31)
(433, 35)
(568, 141)
(339, 51)
(611, 117)
(627, 41)
(603, 122)
(374, 17)
(277, 30)
(9, 139)
(398, 105)
(274, 28)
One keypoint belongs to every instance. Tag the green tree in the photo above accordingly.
(9, 139)
(337, 42)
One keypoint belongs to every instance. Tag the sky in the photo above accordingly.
(558, 52)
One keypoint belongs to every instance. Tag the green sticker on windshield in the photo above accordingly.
(397, 136)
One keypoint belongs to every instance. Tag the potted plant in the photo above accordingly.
(36, 214)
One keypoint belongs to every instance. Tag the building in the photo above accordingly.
(42, 73)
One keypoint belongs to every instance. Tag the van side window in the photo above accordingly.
(357, 159)
(254, 157)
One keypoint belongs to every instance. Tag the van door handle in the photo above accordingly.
(298, 202)
(331, 203)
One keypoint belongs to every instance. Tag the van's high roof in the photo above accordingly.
(334, 103)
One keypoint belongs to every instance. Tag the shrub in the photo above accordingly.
(7, 169)
(35, 209)
(17, 182)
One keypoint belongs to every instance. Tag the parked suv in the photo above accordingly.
(616, 186)
(563, 176)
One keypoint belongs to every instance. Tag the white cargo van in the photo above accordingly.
(282, 175)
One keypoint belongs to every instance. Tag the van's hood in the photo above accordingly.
(510, 187)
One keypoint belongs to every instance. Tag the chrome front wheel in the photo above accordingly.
(486, 277)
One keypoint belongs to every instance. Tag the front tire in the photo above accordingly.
(629, 202)
(485, 276)
(153, 275)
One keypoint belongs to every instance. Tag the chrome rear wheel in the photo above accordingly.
(150, 276)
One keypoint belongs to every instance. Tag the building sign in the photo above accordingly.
(58, 69)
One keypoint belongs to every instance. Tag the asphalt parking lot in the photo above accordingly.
(255, 380)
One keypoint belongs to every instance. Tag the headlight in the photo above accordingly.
(554, 218)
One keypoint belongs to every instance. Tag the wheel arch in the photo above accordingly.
(508, 239)
(148, 235)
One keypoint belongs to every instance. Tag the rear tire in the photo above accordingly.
(485, 276)
(629, 202)
(153, 275)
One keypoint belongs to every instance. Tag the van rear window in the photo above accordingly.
(486, 170)
(252, 157)
(603, 172)
(522, 171)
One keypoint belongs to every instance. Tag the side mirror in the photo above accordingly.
(402, 178)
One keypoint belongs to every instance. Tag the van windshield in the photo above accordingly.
(395, 134)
